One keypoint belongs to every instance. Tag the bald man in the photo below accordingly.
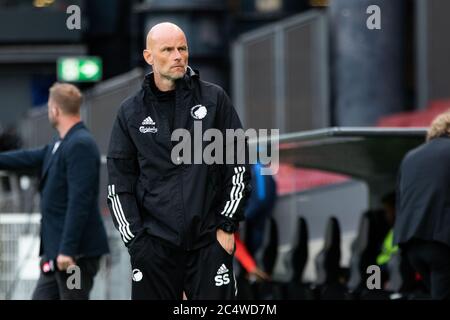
(176, 218)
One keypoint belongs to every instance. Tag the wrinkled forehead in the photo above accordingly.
(169, 38)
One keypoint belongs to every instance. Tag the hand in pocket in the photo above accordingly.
(226, 240)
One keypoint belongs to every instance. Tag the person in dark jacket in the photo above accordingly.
(177, 218)
(422, 226)
(72, 230)
(260, 207)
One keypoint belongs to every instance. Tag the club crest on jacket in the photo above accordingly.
(198, 112)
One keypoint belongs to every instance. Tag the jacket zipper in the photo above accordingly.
(184, 231)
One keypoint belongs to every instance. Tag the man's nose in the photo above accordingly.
(177, 55)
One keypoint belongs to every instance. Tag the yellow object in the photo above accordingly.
(388, 249)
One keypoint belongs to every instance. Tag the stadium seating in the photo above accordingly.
(372, 230)
(296, 289)
(328, 284)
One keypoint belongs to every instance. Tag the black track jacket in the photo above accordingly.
(177, 202)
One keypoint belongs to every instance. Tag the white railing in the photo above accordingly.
(19, 260)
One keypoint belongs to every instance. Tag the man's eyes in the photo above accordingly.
(171, 49)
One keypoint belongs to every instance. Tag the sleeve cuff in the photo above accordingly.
(228, 225)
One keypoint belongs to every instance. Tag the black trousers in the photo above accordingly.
(163, 272)
(53, 286)
(432, 261)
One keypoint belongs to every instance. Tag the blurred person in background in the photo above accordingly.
(260, 207)
(177, 219)
(422, 226)
(257, 213)
(72, 230)
(387, 248)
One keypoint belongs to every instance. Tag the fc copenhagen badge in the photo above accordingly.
(198, 112)
(137, 275)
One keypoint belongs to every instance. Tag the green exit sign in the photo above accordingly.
(79, 69)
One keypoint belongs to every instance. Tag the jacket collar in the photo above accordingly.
(49, 157)
(75, 127)
(183, 83)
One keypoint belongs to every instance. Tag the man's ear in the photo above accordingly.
(56, 111)
(148, 57)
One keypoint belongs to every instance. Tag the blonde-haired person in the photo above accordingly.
(439, 127)
(422, 226)
(72, 230)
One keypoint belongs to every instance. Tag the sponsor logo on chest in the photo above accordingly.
(148, 126)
